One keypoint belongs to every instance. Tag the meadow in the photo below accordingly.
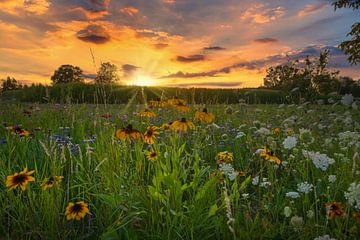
(170, 170)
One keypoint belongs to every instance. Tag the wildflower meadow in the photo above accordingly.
(172, 170)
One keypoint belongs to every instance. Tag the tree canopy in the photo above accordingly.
(108, 73)
(67, 74)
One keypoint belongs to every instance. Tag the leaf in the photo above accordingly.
(213, 210)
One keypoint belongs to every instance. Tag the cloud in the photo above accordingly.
(130, 10)
(192, 58)
(92, 9)
(266, 40)
(160, 45)
(209, 84)
(37, 7)
(129, 70)
(260, 13)
(94, 34)
(311, 8)
(214, 48)
(337, 60)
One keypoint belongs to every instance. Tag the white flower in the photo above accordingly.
(290, 142)
(255, 180)
(332, 178)
(310, 214)
(265, 183)
(245, 195)
(296, 221)
(228, 170)
(287, 211)
(305, 187)
(293, 194)
(321, 161)
(240, 135)
(324, 237)
(347, 99)
(262, 131)
(353, 195)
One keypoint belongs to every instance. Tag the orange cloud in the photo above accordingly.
(130, 10)
(310, 9)
(37, 7)
(260, 14)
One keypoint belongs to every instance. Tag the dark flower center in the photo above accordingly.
(205, 110)
(183, 120)
(20, 178)
(77, 208)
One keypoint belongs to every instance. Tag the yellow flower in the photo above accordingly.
(51, 182)
(182, 107)
(20, 179)
(224, 157)
(176, 101)
(158, 103)
(204, 116)
(166, 126)
(19, 131)
(76, 210)
(152, 155)
(150, 134)
(128, 133)
(146, 113)
(334, 209)
(182, 125)
(276, 131)
(270, 155)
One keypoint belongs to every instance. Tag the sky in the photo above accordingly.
(184, 43)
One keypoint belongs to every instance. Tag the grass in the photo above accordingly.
(182, 194)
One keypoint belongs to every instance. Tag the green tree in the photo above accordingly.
(108, 73)
(67, 74)
(10, 84)
(351, 47)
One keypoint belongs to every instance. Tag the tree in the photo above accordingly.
(352, 46)
(10, 84)
(307, 77)
(108, 73)
(67, 74)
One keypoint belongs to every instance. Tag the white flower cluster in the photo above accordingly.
(353, 195)
(265, 183)
(347, 99)
(293, 195)
(305, 187)
(290, 142)
(321, 161)
(262, 131)
(332, 178)
(228, 170)
(349, 138)
(324, 237)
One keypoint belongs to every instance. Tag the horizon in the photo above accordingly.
(170, 43)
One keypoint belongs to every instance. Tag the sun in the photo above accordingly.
(143, 80)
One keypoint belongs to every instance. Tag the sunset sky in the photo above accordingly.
(201, 43)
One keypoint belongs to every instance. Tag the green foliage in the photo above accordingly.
(67, 74)
(9, 84)
(308, 79)
(107, 74)
(351, 47)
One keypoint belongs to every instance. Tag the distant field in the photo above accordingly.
(252, 172)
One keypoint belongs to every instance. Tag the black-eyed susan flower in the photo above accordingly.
(128, 133)
(158, 103)
(16, 130)
(166, 126)
(146, 113)
(204, 116)
(224, 157)
(276, 131)
(76, 210)
(20, 179)
(334, 209)
(152, 155)
(270, 155)
(51, 182)
(150, 134)
(182, 126)
(176, 101)
(181, 107)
